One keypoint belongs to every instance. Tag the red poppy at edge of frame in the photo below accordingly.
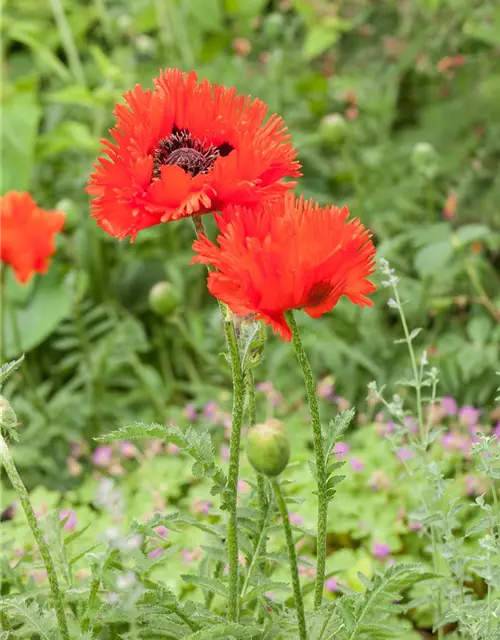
(290, 254)
(187, 147)
(27, 234)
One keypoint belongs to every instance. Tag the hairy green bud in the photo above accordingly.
(268, 448)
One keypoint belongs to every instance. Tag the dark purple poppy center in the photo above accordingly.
(192, 155)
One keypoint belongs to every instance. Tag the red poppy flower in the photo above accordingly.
(27, 234)
(291, 254)
(185, 148)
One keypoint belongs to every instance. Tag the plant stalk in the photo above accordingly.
(234, 448)
(292, 555)
(18, 485)
(320, 461)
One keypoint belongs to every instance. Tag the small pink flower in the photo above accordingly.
(128, 450)
(190, 411)
(155, 553)
(411, 424)
(224, 452)
(380, 550)
(341, 449)
(404, 453)
(172, 449)
(357, 464)
(201, 506)
(468, 415)
(161, 530)
(331, 585)
(325, 388)
(211, 411)
(414, 526)
(496, 430)
(295, 518)
(449, 405)
(102, 456)
(243, 486)
(70, 524)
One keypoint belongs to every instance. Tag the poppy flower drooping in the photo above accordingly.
(27, 234)
(187, 148)
(290, 254)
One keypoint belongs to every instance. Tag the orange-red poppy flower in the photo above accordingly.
(27, 234)
(290, 254)
(185, 148)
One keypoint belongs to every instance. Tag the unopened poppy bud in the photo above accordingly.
(162, 299)
(268, 448)
(333, 128)
(8, 418)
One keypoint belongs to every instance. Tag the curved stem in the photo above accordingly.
(292, 555)
(234, 448)
(252, 420)
(320, 458)
(17, 483)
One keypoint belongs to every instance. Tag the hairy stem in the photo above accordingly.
(320, 458)
(234, 447)
(17, 483)
(292, 555)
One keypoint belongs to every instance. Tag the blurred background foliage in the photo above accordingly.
(395, 110)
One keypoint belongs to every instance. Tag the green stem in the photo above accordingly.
(418, 381)
(234, 447)
(435, 556)
(234, 466)
(94, 588)
(292, 555)
(68, 42)
(259, 550)
(219, 567)
(17, 483)
(320, 461)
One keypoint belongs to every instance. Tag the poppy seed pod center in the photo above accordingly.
(192, 155)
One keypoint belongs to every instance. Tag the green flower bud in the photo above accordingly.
(162, 299)
(333, 129)
(268, 448)
(425, 159)
(8, 418)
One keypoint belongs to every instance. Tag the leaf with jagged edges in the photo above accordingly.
(32, 617)
(372, 612)
(227, 631)
(198, 444)
(8, 368)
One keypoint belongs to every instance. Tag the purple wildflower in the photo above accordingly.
(128, 450)
(224, 452)
(102, 456)
(325, 388)
(468, 415)
(331, 585)
(161, 530)
(404, 453)
(340, 449)
(190, 411)
(449, 405)
(211, 411)
(295, 518)
(496, 430)
(172, 449)
(155, 553)
(70, 524)
(357, 464)
(381, 550)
